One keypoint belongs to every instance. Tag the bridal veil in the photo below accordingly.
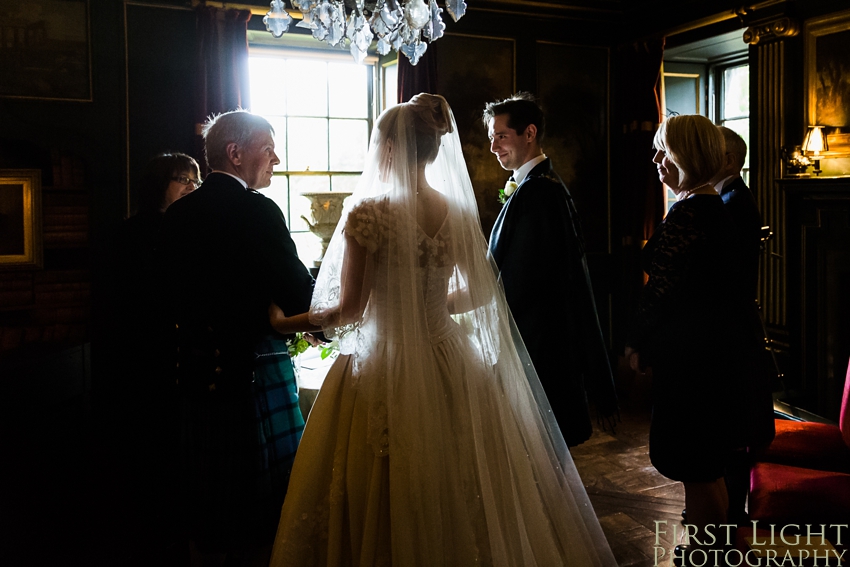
(476, 466)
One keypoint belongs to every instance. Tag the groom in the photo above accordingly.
(227, 254)
(538, 247)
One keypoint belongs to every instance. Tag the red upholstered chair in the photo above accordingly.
(784, 494)
(804, 475)
(813, 445)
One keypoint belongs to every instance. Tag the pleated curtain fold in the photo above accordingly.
(223, 80)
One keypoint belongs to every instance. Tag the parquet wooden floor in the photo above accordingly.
(632, 500)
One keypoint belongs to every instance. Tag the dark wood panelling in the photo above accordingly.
(468, 86)
(572, 86)
(818, 220)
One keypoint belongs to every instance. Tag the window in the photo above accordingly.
(723, 87)
(682, 92)
(732, 86)
(321, 106)
(683, 87)
(389, 80)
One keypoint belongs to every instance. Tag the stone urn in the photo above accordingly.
(326, 210)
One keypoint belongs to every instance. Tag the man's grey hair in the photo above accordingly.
(235, 127)
(735, 144)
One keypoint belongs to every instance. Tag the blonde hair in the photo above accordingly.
(694, 145)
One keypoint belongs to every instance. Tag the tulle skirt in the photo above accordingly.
(458, 475)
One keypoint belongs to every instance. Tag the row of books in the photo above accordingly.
(65, 220)
(16, 337)
(68, 171)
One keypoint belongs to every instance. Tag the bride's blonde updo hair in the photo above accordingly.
(431, 120)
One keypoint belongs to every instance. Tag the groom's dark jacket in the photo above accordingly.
(538, 246)
(226, 254)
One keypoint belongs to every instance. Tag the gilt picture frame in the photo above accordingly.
(827, 79)
(20, 219)
(47, 50)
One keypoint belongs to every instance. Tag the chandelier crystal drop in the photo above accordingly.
(404, 25)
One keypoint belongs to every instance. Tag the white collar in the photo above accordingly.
(239, 179)
(522, 172)
(722, 183)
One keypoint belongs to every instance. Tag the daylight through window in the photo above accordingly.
(322, 112)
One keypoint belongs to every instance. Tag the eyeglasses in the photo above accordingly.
(183, 180)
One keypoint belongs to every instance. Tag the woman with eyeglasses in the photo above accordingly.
(166, 178)
(138, 402)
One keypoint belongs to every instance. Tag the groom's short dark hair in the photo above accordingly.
(522, 109)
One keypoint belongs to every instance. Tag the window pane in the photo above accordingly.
(670, 199)
(349, 141)
(344, 183)
(268, 85)
(736, 92)
(348, 88)
(308, 95)
(301, 205)
(309, 247)
(307, 144)
(390, 85)
(279, 125)
(278, 192)
(682, 94)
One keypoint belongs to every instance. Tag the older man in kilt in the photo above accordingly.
(227, 255)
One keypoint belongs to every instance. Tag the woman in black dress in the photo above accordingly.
(139, 292)
(685, 325)
(138, 395)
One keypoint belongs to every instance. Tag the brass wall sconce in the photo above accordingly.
(815, 145)
(795, 160)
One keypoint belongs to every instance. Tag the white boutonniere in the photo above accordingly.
(507, 191)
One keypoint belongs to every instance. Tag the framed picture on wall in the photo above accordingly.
(827, 81)
(20, 219)
(45, 50)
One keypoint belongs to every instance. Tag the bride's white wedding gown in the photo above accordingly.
(421, 450)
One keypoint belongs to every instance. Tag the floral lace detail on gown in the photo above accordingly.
(369, 224)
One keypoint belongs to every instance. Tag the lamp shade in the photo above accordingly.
(815, 142)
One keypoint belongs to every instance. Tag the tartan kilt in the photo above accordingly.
(238, 450)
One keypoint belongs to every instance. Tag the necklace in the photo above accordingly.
(701, 189)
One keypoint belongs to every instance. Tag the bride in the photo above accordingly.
(431, 442)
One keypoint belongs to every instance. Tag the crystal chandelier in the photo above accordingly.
(403, 25)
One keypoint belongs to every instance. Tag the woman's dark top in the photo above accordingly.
(140, 297)
(687, 328)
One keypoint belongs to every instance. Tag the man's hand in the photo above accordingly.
(633, 357)
(276, 315)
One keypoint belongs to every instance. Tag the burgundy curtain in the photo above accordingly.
(640, 114)
(222, 65)
(638, 193)
(419, 78)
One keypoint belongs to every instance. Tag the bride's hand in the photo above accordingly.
(287, 325)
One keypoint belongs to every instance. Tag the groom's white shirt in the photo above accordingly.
(523, 171)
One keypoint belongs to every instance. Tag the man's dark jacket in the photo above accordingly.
(226, 255)
(538, 246)
(746, 220)
(743, 211)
